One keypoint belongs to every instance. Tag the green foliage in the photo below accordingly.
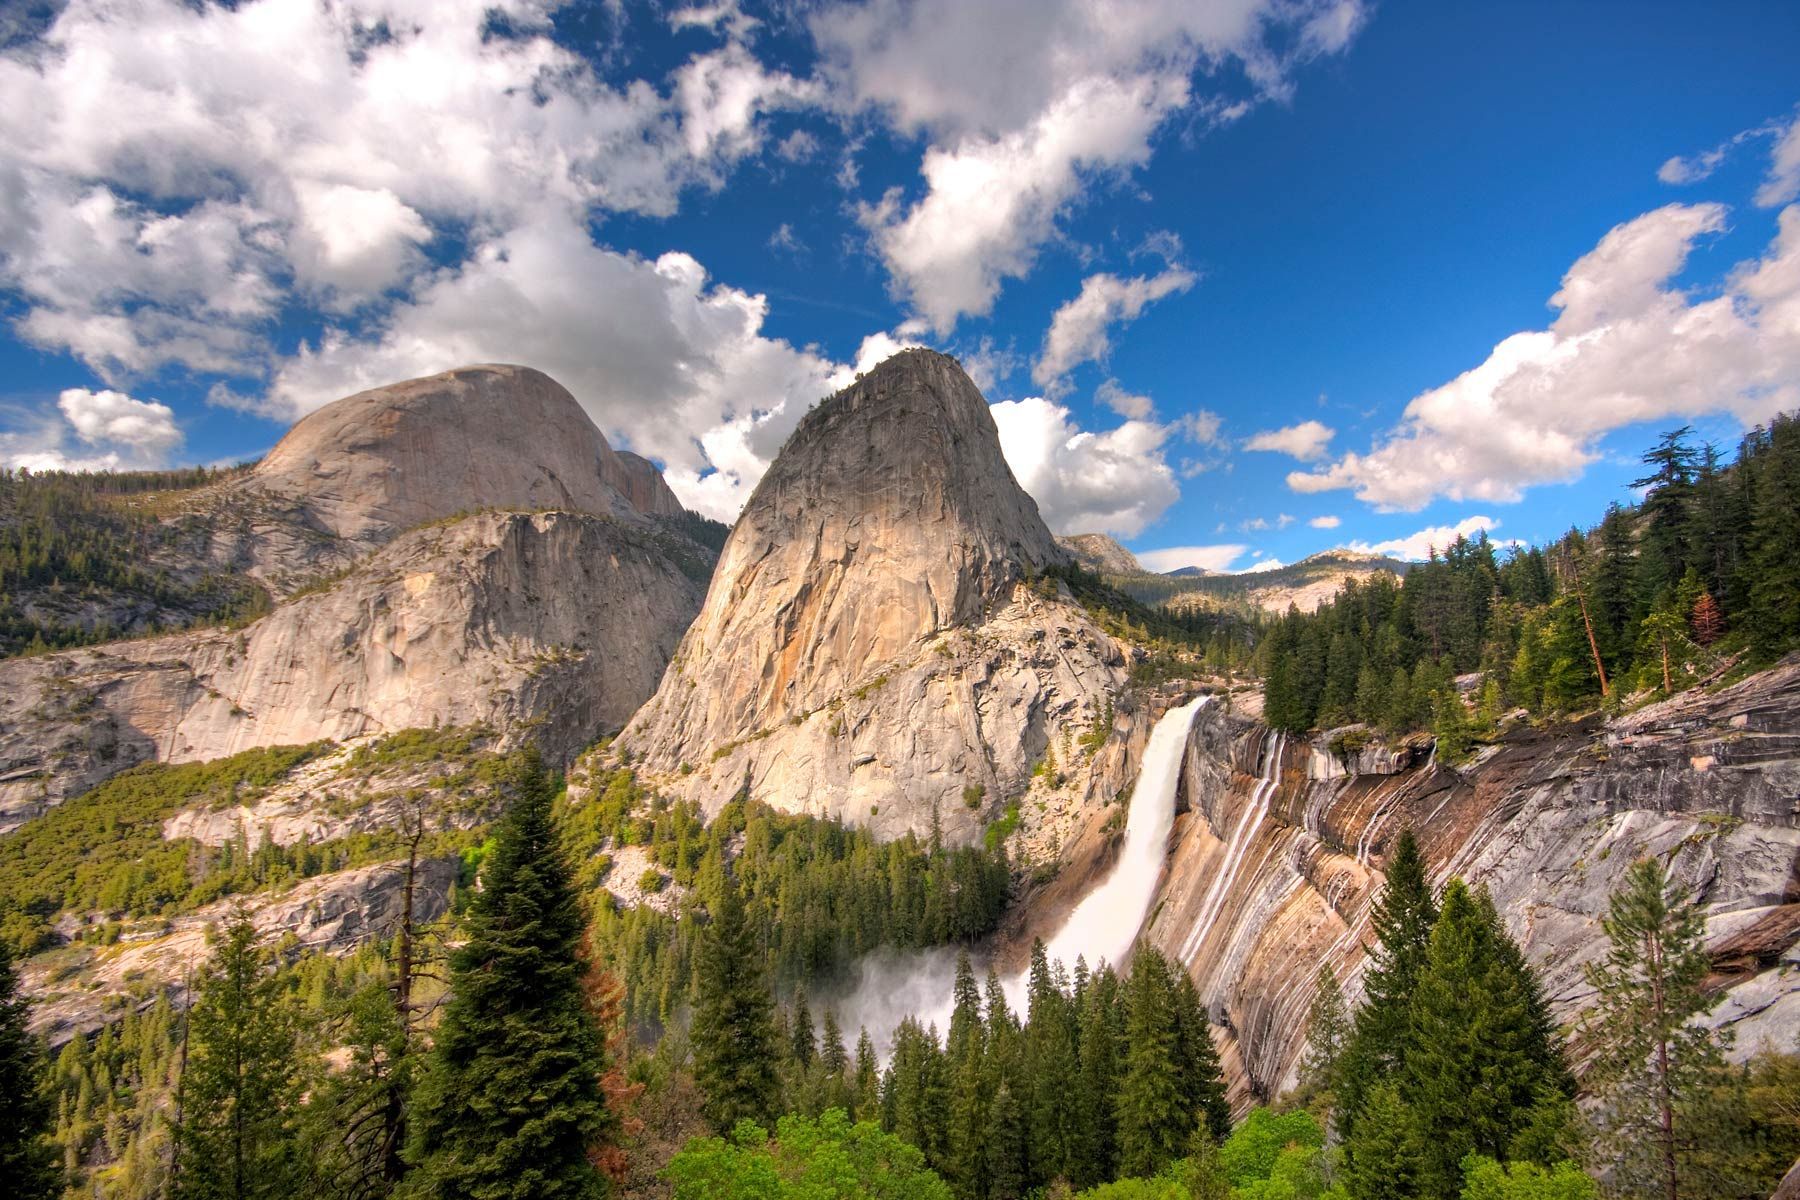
(1328, 1031)
(1251, 1152)
(510, 1105)
(87, 557)
(239, 1091)
(105, 849)
(27, 1158)
(1154, 1120)
(1628, 591)
(817, 894)
(1402, 923)
(823, 1159)
(1479, 1050)
(1655, 1066)
(1485, 1179)
(733, 1030)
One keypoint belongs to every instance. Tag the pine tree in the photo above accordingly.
(1383, 1159)
(966, 1033)
(511, 1104)
(1654, 1060)
(1008, 1174)
(351, 1138)
(831, 1045)
(1706, 621)
(1202, 1080)
(1402, 923)
(915, 1092)
(733, 1027)
(801, 1045)
(236, 1138)
(1450, 726)
(1473, 1067)
(965, 1162)
(1328, 1033)
(27, 1156)
(1153, 1118)
(1102, 1035)
(866, 1084)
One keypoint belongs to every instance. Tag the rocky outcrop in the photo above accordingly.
(1274, 866)
(548, 625)
(82, 988)
(1100, 554)
(873, 645)
(359, 471)
(463, 548)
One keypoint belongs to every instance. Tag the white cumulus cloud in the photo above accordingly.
(1326, 522)
(1079, 330)
(1628, 347)
(1418, 546)
(110, 430)
(1306, 441)
(1114, 481)
(1028, 103)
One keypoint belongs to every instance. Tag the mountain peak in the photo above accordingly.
(484, 436)
(827, 666)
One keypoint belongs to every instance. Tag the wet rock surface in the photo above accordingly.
(1273, 870)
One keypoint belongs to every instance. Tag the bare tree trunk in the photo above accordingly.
(1599, 667)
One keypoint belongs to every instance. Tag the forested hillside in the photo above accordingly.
(1696, 581)
(88, 557)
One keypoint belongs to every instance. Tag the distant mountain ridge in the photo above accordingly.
(1306, 584)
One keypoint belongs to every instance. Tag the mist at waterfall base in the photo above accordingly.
(890, 987)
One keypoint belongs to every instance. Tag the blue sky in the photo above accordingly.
(1244, 279)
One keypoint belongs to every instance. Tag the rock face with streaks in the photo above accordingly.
(487, 558)
(875, 644)
(1277, 859)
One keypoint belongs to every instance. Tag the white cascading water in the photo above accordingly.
(1106, 922)
(1100, 928)
(1241, 838)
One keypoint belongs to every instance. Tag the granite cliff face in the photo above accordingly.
(1276, 861)
(487, 557)
(1100, 554)
(871, 645)
(356, 473)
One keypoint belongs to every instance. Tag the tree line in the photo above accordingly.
(66, 534)
(498, 1067)
(817, 894)
(1697, 578)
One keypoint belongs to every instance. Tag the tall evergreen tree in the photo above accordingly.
(866, 1082)
(1384, 1158)
(1327, 1033)
(1102, 1036)
(1008, 1176)
(1154, 1120)
(1655, 1063)
(1402, 923)
(1473, 1066)
(239, 1090)
(27, 1157)
(1202, 1080)
(510, 1105)
(734, 1027)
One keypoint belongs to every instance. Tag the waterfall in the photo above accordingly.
(1106, 922)
(1100, 928)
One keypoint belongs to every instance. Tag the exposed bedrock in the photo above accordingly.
(1275, 862)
